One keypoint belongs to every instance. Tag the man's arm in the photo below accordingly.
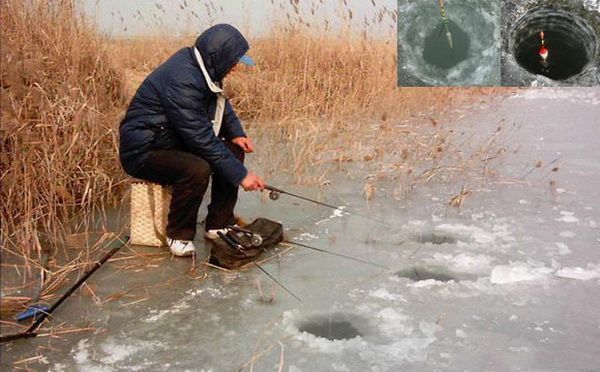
(187, 114)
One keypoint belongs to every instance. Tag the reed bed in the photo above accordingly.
(61, 97)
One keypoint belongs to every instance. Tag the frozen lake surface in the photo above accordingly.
(510, 280)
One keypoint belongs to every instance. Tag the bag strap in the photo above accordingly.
(161, 237)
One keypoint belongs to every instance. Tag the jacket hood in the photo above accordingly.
(221, 47)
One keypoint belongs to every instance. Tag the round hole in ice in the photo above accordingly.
(570, 42)
(435, 237)
(437, 50)
(332, 327)
(418, 274)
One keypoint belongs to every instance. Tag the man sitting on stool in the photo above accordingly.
(179, 129)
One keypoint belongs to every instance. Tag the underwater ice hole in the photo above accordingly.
(437, 49)
(418, 274)
(332, 327)
(570, 41)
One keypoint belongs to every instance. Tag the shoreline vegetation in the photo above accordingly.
(325, 99)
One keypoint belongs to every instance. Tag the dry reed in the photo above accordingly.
(60, 100)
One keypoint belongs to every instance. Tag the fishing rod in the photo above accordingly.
(275, 192)
(445, 23)
(229, 239)
(30, 332)
(257, 240)
(335, 254)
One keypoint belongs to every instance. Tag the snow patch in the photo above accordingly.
(580, 273)
(518, 272)
(465, 263)
(337, 213)
(563, 249)
(573, 95)
(466, 233)
(81, 353)
(116, 352)
(306, 237)
(182, 303)
(568, 217)
(567, 234)
(384, 294)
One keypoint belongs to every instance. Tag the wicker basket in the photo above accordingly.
(149, 210)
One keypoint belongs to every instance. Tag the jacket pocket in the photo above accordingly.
(164, 138)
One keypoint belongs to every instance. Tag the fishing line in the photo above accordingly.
(445, 23)
(336, 254)
(238, 247)
(274, 195)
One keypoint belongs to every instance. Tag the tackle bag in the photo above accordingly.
(223, 255)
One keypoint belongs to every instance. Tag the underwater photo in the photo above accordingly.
(550, 43)
(448, 43)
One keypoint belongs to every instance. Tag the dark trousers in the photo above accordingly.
(189, 176)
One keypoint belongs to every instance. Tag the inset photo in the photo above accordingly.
(550, 43)
(448, 43)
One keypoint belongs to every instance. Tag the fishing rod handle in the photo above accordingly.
(230, 242)
(273, 188)
(255, 238)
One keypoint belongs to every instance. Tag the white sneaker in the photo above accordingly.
(214, 233)
(181, 248)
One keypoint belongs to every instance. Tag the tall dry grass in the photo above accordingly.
(61, 97)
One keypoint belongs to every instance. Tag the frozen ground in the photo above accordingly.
(509, 281)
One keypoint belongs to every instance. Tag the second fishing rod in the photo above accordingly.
(257, 239)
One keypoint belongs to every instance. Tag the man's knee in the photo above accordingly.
(197, 177)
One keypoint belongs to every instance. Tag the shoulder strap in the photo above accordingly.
(217, 121)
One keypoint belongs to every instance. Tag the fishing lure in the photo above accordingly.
(445, 23)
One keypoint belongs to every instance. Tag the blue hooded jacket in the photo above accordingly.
(173, 108)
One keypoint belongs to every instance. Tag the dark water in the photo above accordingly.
(330, 329)
(567, 55)
(418, 273)
(437, 50)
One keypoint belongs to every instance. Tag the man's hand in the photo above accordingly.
(245, 143)
(252, 182)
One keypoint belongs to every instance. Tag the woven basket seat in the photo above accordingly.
(149, 211)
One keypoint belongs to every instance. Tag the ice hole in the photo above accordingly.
(332, 327)
(418, 274)
(570, 41)
(437, 49)
(435, 238)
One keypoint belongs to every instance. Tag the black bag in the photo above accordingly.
(225, 256)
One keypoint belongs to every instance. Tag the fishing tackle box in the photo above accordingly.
(223, 255)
